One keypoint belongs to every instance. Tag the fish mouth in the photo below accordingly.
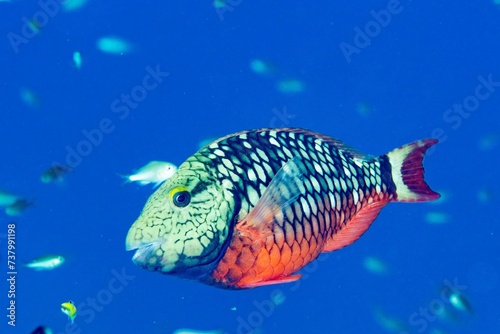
(144, 251)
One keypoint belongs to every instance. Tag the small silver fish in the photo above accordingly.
(47, 262)
(7, 199)
(154, 172)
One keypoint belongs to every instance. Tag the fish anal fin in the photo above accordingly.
(283, 190)
(355, 227)
(280, 280)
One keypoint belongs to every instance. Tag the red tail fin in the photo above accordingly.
(408, 172)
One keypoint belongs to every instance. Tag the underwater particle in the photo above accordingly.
(54, 173)
(278, 298)
(154, 172)
(18, 207)
(73, 5)
(363, 109)
(485, 195)
(35, 26)
(7, 198)
(69, 309)
(389, 322)
(261, 67)
(218, 4)
(77, 59)
(375, 266)
(194, 331)
(290, 86)
(436, 217)
(29, 98)
(46, 262)
(488, 142)
(42, 330)
(233, 308)
(113, 45)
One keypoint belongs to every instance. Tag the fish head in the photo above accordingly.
(185, 224)
(167, 171)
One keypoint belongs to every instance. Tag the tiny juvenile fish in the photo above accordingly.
(18, 207)
(42, 330)
(69, 309)
(54, 173)
(253, 208)
(154, 172)
(47, 262)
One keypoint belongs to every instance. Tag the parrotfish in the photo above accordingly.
(253, 208)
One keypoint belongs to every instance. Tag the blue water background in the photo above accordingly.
(429, 57)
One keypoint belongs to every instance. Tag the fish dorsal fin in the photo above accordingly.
(283, 190)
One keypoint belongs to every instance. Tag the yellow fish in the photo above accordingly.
(69, 309)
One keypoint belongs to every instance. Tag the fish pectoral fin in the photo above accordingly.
(280, 280)
(355, 227)
(283, 190)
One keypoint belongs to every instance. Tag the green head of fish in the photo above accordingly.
(185, 224)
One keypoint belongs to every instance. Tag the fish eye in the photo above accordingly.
(180, 197)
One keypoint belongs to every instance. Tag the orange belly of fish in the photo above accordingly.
(250, 262)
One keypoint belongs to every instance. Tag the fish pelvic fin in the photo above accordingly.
(281, 280)
(408, 172)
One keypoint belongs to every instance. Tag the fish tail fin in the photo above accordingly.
(126, 177)
(408, 172)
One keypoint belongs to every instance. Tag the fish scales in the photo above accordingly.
(317, 233)
(277, 199)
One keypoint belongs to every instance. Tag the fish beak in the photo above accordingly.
(145, 251)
